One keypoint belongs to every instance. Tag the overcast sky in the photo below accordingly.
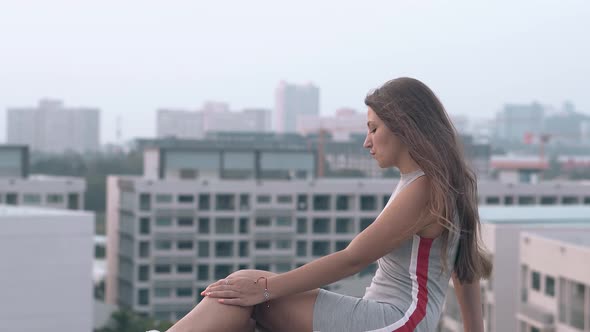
(129, 58)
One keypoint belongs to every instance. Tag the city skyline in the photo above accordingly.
(130, 62)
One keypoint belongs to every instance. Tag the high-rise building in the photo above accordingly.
(213, 117)
(293, 100)
(18, 187)
(52, 127)
(46, 277)
(516, 122)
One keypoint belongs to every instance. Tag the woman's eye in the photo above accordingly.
(373, 130)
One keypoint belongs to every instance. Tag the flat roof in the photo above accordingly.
(16, 211)
(577, 236)
(535, 214)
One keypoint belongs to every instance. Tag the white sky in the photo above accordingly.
(129, 58)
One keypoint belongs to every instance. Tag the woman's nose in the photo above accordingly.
(367, 143)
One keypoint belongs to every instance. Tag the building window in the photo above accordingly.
(263, 267)
(321, 225)
(163, 198)
(284, 199)
(263, 199)
(11, 199)
(284, 221)
(365, 222)
(143, 296)
(344, 225)
(144, 249)
(59, 199)
(186, 198)
(204, 226)
(282, 267)
(162, 292)
(263, 221)
(508, 200)
(562, 299)
(320, 248)
(534, 329)
(184, 292)
(184, 245)
(549, 286)
(301, 225)
(577, 304)
(162, 268)
(524, 273)
(203, 272)
(302, 202)
(224, 225)
(526, 200)
(535, 280)
(342, 203)
(368, 203)
(587, 202)
(262, 244)
(283, 244)
(143, 272)
(222, 271)
(244, 252)
(301, 248)
(548, 200)
(225, 202)
(144, 202)
(31, 199)
(73, 201)
(244, 202)
(224, 249)
(163, 244)
(244, 229)
(184, 268)
(184, 221)
(163, 221)
(203, 249)
(569, 200)
(321, 202)
(204, 202)
(493, 200)
(144, 225)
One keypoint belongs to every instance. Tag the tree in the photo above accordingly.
(127, 321)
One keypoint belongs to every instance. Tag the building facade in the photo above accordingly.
(501, 233)
(18, 187)
(46, 257)
(51, 127)
(291, 101)
(554, 285)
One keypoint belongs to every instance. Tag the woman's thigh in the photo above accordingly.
(288, 313)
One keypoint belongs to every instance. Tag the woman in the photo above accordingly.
(427, 233)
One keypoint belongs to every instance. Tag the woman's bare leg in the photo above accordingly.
(289, 313)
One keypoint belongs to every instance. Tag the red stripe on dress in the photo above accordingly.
(422, 275)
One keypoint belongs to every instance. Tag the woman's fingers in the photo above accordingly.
(227, 294)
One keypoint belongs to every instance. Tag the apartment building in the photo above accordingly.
(554, 281)
(46, 257)
(170, 236)
(18, 187)
(52, 127)
(501, 233)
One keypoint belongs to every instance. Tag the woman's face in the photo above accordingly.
(383, 145)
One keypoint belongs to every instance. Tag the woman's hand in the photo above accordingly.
(236, 291)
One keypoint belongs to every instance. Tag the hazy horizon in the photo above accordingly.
(131, 58)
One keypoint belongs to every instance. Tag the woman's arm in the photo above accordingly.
(469, 298)
(396, 223)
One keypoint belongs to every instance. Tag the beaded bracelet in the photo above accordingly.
(266, 293)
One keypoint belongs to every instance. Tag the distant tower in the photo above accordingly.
(292, 100)
(119, 131)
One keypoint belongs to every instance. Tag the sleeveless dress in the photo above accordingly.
(406, 294)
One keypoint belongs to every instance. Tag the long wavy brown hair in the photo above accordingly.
(417, 117)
